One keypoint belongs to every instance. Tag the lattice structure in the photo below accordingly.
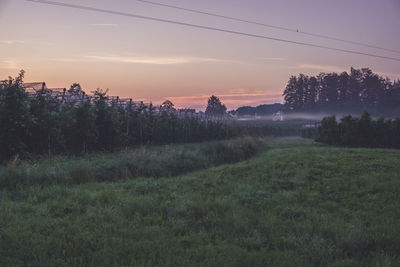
(76, 96)
(3, 84)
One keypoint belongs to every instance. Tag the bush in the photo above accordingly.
(162, 161)
(231, 151)
(360, 132)
(328, 132)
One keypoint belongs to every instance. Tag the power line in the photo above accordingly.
(208, 28)
(268, 25)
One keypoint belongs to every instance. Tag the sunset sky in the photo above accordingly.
(153, 61)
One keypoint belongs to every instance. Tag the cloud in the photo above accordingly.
(275, 58)
(103, 25)
(71, 59)
(20, 42)
(153, 60)
(323, 68)
(140, 60)
(245, 91)
(11, 42)
(9, 64)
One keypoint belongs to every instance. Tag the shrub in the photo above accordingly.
(162, 161)
(360, 132)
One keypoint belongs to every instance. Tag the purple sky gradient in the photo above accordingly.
(153, 61)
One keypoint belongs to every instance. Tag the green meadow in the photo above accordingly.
(251, 202)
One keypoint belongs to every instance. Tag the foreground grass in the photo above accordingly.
(291, 206)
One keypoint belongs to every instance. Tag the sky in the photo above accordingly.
(154, 61)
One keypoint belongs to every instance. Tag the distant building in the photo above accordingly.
(278, 116)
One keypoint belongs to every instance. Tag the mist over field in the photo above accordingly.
(319, 116)
(299, 116)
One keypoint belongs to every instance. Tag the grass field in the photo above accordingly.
(295, 204)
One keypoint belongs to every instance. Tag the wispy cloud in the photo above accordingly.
(139, 60)
(9, 64)
(103, 25)
(275, 58)
(324, 68)
(21, 42)
(68, 59)
(11, 42)
(154, 60)
(245, 91)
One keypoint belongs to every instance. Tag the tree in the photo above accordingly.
(15, 119)
(355, 92)
(365, 130)
(328, 132)
(246, 110)
(85, 131)
(44, 110)
(107, 121)
(290, 95)
(75, 87)
(311, 92)
(167, 105)
(215, 108)
(392, 95)
(301, 87)
(343, 91)
(348, 130)
(372, 90)
(328, 91)
(360, 132)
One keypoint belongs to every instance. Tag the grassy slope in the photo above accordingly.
(294, 205)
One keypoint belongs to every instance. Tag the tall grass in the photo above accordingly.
(158, 161)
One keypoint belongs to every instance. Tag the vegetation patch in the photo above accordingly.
(360, 132)
(293, 205)
(150, 161)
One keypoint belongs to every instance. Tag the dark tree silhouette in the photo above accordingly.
(261, 110)
(167, 105)
(75, 87)
(360, 132)
(15, 119)
(215, 108)
(291, 95)
(352, 92)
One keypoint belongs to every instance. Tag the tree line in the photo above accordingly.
(260, 110)
(360, 132)
(36, 125)
(355, 92)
